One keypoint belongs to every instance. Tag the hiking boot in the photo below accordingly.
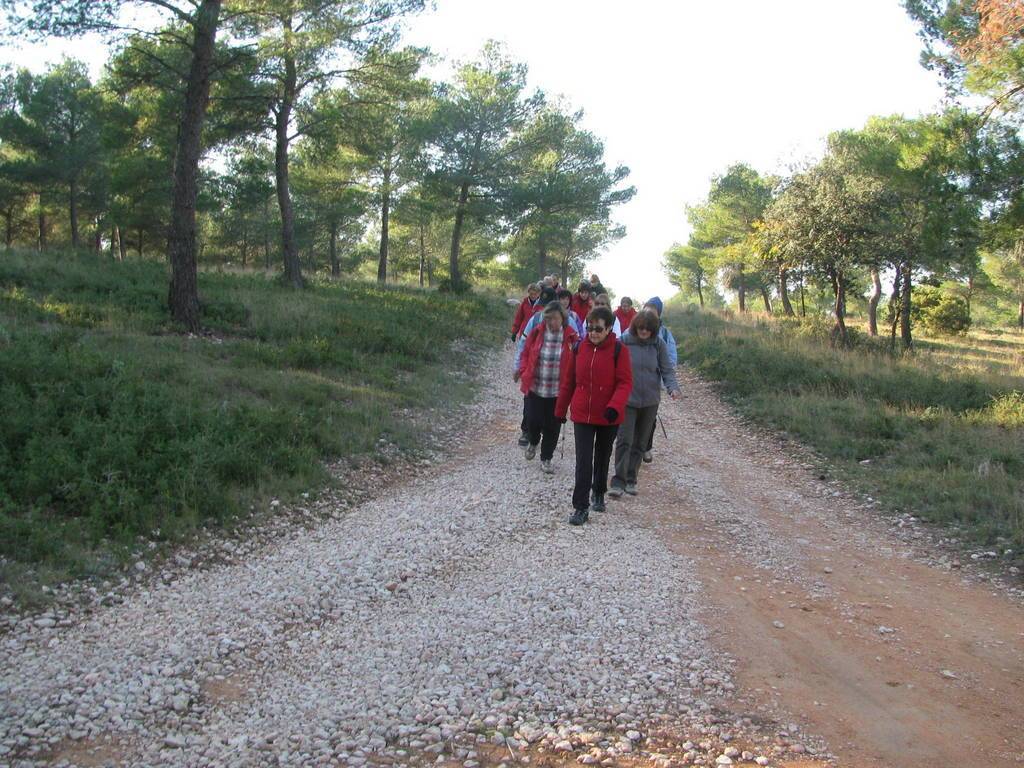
(631, 489)
(648, 457)
(546, 468)
(530, 452)
(616, 491)
(579, 517)
(598, 503)
(524, 438)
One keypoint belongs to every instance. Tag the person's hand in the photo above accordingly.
(517, 376)
(611, 414)
(675, 395)
(512, 336)
(562, 419)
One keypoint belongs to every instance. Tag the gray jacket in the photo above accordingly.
(652, 367)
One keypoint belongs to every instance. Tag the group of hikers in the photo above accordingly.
(577, 359)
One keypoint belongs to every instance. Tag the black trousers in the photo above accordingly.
(593, 453)
(542, 425)
(525, 425)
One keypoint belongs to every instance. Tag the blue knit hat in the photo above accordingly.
(656, 302)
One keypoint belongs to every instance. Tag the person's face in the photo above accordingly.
(584, 295)
(597, 331)
(564, 301)
(643, 333)
(533, 295)
(600, 303)
(653, 309)
(627, 305)
(553, 322)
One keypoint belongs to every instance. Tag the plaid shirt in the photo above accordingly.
(545, 377)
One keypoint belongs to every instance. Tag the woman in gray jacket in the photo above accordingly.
(652, 367)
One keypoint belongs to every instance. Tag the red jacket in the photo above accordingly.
(524, 312)
(592, 381)
(531, 352)
(580, 307)
(625, 317)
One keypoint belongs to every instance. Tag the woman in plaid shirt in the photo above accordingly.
(539, 376)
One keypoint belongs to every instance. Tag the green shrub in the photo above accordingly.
(940, 312)
(113, 425)
(941, 442)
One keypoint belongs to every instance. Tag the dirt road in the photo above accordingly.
(738, 608)
(831, 617)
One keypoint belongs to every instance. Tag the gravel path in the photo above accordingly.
(456, 618)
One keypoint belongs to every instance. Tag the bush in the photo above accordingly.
(113, 425)
(939, 312)
(446, 285)
(930, 432)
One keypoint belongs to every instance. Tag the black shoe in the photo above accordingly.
(524, 438)
(579, 517)
(598, 503)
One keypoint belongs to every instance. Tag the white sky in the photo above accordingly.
(681, 89)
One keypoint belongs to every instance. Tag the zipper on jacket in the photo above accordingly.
(590, 404)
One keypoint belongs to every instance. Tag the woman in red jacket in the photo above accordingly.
(625, 313)
(596, 382)
(539, 375)
(525, 309)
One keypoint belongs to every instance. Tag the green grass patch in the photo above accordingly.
(940, 432)
(113, 425)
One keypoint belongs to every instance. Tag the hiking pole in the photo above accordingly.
(661, 421)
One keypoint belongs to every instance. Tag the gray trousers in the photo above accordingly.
(634, 437)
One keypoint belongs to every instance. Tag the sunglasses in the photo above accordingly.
(596, 329)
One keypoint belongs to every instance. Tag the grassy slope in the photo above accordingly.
(112, 425)
(939, 433)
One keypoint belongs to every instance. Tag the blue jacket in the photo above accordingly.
(670, 341)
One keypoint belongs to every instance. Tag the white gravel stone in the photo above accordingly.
(502, 617)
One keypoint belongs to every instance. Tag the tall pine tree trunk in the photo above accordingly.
(9, 227)
(839, 333)
(385, 210)
(73, 211)
(542, 254)
(41, 242)
(423, 252)
(460, 215)
(183, 294)
(292, 265)
(700, 290)
(335, 266)
(894, 306)
(266, 233)
(766, 299)
(138, 245)
(876, 296)
(742, 290)
(906, 297)
(787, 307)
